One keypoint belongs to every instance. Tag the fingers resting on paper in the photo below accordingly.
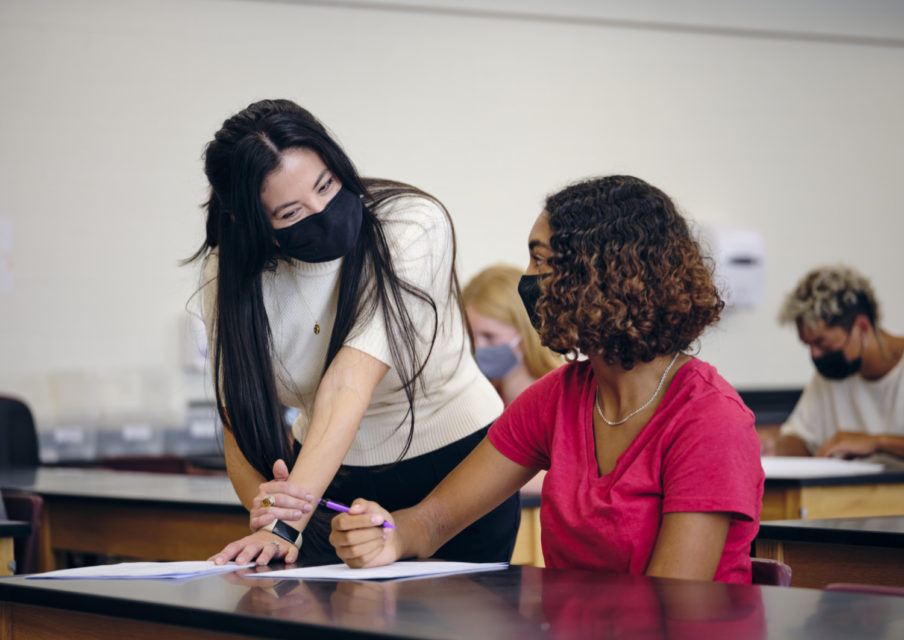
(261, 547)
(360, 539)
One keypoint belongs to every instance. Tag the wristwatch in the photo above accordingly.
(284, 531)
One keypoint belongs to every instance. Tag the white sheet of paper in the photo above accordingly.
(141, 570)
(804, 467)
(392, 571)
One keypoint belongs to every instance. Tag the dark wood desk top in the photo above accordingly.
(884, 531)
(519, 602)
(14, 529)
(209, 492)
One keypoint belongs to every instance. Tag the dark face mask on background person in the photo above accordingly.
(327, 235)
(529, 290)
(835, 366)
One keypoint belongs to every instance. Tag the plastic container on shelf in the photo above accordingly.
(68, 440)
(200, 436)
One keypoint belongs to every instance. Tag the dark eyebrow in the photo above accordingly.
(533, 244)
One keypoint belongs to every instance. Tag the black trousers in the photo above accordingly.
(404, 484)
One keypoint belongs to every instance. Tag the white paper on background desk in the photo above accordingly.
(805, 467)
(141, 570)
(392, 571)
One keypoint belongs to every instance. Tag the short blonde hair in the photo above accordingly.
(834, 294)
(494, 293)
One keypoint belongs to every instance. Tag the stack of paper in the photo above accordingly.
(392, 571)
(803, 467)
(141, 570)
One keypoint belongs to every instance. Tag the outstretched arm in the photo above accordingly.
(852, 444)
(477, 485)
(342, 398)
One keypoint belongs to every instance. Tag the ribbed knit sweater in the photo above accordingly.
(455, 399)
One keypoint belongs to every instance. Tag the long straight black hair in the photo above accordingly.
(243, 152)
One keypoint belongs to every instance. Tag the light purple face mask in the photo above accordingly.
(497, 362)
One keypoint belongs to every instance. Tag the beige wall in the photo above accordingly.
(786, 117)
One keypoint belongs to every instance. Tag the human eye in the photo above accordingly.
(326, 186)
(290, 214)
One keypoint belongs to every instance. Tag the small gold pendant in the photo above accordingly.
(316, 328)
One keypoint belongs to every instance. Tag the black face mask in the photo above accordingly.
(327, 235)
(835, 366)
(529, 290)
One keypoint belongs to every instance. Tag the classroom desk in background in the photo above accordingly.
(151, 516)
(849, 496)
(9, 531)
(517, 602)
(859, 550)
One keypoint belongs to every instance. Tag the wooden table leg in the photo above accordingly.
(7, 556)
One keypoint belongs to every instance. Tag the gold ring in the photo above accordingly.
(268, 501)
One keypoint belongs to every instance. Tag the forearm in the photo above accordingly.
(788, 445)
(475, 487)
(245, 479)
(342, 398)
(320, 458)
(891, 444)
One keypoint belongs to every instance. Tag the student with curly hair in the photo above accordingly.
(854, 404)
(652, 458)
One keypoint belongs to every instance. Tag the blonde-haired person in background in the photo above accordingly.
(854, 404)
(506, 345)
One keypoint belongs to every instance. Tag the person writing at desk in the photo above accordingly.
(853, 405)
(336, 295)
(652, 458)
(506, 346)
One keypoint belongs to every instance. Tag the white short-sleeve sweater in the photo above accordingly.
(455, 399)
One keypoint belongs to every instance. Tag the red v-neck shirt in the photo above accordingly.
(699, 452)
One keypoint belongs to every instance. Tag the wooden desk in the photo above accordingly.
(861, 550)
(155, 516)
(140, 515)
(10, 529)
(854, 496)
(522, 603)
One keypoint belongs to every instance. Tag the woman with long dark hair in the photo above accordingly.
(336, 295)
(652, 460)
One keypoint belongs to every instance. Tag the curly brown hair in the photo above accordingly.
(628, 282)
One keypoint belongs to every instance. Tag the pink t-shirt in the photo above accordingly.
(699, 452)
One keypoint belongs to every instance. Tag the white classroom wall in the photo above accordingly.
(786, 117)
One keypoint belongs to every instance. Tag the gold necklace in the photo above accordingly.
(615, 423)
(305, 301)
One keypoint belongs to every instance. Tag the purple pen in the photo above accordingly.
(335, 506)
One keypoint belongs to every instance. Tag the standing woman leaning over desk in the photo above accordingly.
(336, 295)
(653, 460)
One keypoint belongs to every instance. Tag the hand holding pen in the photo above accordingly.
(335, 506)
(361, 541)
